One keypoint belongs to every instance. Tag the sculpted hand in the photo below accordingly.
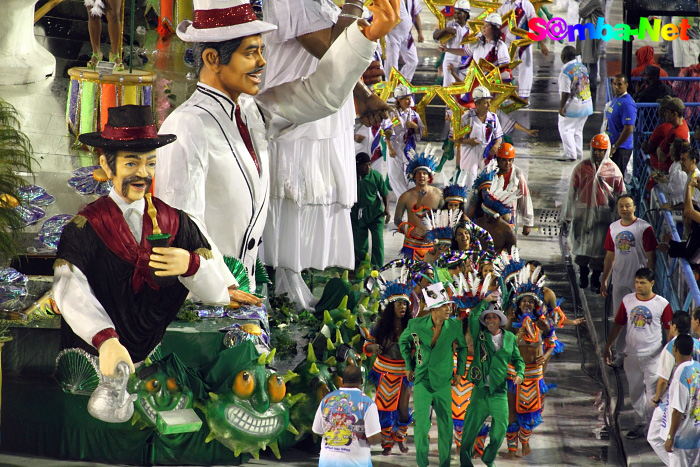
(111, 353)
(372, 110)
(239, 297)
(385, 15)
(373, 74)
(518, 381)
(170, 261)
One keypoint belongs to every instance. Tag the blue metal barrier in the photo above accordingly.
(674, 276)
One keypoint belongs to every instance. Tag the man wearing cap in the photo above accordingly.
(575, 105)
(416, 203)
(596, 183)
(401, 139)
(431, 368)
(370, 213)
(674, 111)
(103, 275)
(494, 349)
(454, 32)
(514, 180)
(482, 143)
(219, 170)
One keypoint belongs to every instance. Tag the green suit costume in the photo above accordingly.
(368, 215)
(488, 399)
(433, 367)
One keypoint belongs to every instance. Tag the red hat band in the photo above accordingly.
(209, 19)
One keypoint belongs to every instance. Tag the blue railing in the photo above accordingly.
(674, 276)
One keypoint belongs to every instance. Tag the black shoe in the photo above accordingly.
(595, 281)
(583, 277)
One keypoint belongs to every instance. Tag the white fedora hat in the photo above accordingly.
(493, 310)
(222, 20)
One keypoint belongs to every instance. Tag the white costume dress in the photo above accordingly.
(402, 137)
(450, 58)
(472, 157)
(399, 41)
(525, 69)
(312, 166)
(209, 172)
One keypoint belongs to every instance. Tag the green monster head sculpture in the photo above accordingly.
(252, 414)
(157, 392)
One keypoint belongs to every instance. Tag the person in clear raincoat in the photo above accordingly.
(596, 183)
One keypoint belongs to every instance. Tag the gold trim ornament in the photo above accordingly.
(474, 73)
(385, 90)
(539, 4)
(442, 21)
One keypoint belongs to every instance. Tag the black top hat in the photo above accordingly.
(129, 127)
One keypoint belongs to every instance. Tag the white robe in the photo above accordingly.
(312, 180)
(402, 135)
(209, 173)
(472, 157)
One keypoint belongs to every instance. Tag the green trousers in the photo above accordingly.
(482, 405)
(441, 400)
(360, 233)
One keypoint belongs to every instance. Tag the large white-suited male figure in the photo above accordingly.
(218, 170)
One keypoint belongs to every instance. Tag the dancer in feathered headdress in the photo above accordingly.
(455, 197)
(416, 203)
(528, 317)
(469, 236)
(497, 203)
(440, 230)
(389, 369)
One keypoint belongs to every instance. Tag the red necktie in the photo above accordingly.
(243, 129)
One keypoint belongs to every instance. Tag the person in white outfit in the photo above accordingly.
(483, 140)
(575, 105)
(643, 314)
(400, 43)
(490, 47)
(455, 30)
(524, 12)
(401, 139)
(218, 170)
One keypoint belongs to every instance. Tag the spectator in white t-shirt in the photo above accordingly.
(348, 422)
(643, 314)
(680, 324)
(630, 244)
(683, 409)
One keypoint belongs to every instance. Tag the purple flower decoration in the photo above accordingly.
(51, 231)
(90, 180)
(35, 195)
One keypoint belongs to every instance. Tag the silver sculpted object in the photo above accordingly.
(111, 402)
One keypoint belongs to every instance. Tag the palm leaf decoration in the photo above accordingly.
(15, 157)
(239, 273)
(261, 276)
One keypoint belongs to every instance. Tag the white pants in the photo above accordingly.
(525, 70)
(684, 457)
(447, 78)
(656, 436)
(398, 45)
(618, 293)
(571, 134)
(396, 169)
(641, 379)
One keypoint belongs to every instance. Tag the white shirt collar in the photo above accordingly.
(133, 221)
(226, 103)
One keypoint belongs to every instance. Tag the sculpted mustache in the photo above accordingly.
(258, 69)
(135, 179)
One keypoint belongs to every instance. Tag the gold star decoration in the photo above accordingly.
(442, 21)
(500, 91)
(385, 90)
(510, 22)
(539, 4)
(489, 7)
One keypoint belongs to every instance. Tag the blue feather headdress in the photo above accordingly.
(425, 160)
(395, 281)
(454, 192)
(529, 284)
(440, 225)
(469, 290)
(485, 178)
